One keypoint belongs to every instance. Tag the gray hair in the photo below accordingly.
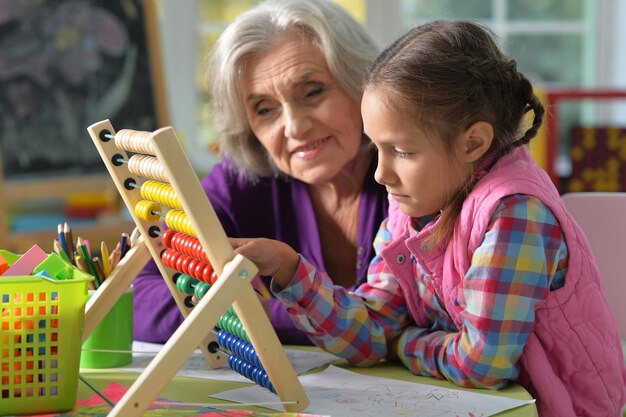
(348, 50)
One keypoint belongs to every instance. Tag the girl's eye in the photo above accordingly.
(401, 154)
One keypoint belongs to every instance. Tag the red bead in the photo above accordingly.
(169, 257)
(197, 271)
(191, 248)
(181, 243)
(206, 273)
(214, 278)
(167, 237)
(191, 266)
(176, 242)
(201, 253)
(189, 242)
(182, 262)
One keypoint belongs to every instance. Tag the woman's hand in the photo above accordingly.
(273, 258)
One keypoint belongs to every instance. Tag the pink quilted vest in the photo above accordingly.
(573, 363)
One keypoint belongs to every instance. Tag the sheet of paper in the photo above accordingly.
(196, 366)
(95, 406)
(339, 392)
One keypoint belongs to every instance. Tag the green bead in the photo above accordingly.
(201, 289)
(186, 283)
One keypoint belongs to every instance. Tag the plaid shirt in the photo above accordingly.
(521, 259)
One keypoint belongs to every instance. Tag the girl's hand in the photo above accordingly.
(273, 258)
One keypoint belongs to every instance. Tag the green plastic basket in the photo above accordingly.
(41, 325)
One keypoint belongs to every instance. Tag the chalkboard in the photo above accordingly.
(65, 64)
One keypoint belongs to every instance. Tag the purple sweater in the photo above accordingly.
(273, 208)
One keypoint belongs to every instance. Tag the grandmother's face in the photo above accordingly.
(307, 122)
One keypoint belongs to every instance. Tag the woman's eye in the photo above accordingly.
(314, 92)
(262, 109)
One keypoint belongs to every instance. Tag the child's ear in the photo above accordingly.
(476, 140)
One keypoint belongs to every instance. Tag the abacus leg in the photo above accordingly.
(269, 350)
(235, 277)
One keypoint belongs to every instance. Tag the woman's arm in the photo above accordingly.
(156, 315)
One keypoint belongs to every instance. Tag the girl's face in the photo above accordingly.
(309, 125)
(413, 164)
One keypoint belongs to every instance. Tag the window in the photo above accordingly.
(542, 35)
(557, 44)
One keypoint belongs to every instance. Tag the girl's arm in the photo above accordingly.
(354, 325)
(522, 254)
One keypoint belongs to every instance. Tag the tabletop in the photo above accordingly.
(195, 390)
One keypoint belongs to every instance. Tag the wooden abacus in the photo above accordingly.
(169, 180)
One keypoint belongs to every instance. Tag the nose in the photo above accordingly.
(383, 174)
(297, 122)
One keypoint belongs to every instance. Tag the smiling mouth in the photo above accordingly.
(309, 147)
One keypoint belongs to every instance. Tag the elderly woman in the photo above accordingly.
(286, 85)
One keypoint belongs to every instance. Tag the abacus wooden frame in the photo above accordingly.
(232, 287)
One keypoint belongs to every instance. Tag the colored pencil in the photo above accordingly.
(134, 236)
(106, 265)
(61, 238)
(124, 244)
(86, 243)
(83, 251)
(99, 270)
(69, 240)
(115, 257)
(80, 263)
(58, 248)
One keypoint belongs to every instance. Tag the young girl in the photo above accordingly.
(481, 275)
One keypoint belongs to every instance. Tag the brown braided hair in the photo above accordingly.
(447, 75)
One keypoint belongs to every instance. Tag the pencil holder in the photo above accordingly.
(113, 334)
(41, 324)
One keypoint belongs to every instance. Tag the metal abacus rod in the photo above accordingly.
(231, 288)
